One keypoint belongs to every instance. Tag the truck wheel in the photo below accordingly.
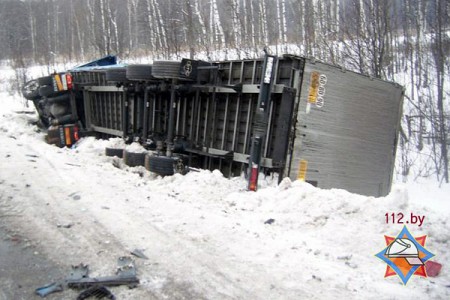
(46, 90)
(114, 152)
(116, 74)
(63, 120)
(30, 90)
(133, 159)
(166, 69)
(165, 166)
(139, 72)
(47, 80)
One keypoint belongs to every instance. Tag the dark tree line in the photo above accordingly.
(380, 38)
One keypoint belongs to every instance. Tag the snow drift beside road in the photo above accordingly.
(205, 235)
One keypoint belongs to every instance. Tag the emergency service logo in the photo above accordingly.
(405, 255)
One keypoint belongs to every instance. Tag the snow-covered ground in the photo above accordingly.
(205, 236)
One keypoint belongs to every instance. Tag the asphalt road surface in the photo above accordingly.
(23, 268)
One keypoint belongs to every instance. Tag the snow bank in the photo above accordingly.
(136, 148)
(313, 241)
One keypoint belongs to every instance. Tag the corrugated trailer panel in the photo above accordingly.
(347, 130)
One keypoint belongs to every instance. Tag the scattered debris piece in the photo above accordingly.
(74, 165)
(139, 253)
(48, 289)
(316, 278)
(345, 257)
(64, 225)
(15, 238)
(433, 268)
(126, 266)
(25, 112)
(97, 292)
(75, 196)
(125, 275)
(78, 272)
(270, 221)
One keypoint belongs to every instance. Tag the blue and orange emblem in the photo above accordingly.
(405, 255)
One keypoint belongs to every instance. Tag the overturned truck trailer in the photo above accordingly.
(297, 117)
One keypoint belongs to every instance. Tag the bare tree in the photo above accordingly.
(249, 22)
(235, 23)
(263, 26)
(440, 50)
(188, 16)
(217, 38)
(281, 20)
(112, 27)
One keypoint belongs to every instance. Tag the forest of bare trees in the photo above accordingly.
(407, 41)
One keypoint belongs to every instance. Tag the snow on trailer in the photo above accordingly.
(290, 115)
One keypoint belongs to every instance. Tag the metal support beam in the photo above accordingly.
(107, 130)
(172, 112)
(261, 120)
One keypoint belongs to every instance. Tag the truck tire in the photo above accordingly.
(139, 72)
(47, 80)
(114, 152)
(165, 166)
(116, 74)
(63, 120)
(30, 90)
(147, 161)
(46, 91)
(133, 159)
(166, 69)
